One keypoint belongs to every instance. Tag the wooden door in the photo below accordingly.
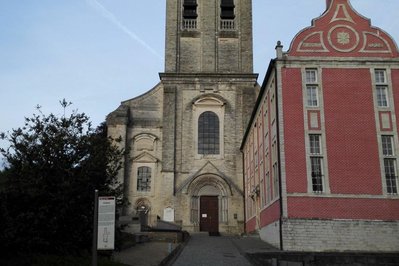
(209, 214)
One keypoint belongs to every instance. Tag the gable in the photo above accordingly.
(342, 32)
(145, 157)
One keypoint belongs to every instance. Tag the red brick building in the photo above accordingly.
(321, 150)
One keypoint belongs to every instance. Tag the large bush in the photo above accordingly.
(53, 165)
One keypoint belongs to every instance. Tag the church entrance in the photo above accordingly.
(209, 214)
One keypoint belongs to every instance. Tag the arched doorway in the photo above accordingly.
(209, 203)
(142, 209)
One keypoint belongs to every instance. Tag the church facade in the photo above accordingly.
(183, 136)
(321, 150)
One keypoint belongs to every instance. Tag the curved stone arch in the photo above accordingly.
(142, 202)
(142, 207)
(212, 180)
(144, 141)
(209, 99)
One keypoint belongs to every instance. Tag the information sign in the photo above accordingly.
(106, 223)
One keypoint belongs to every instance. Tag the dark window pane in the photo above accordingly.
(227, 3)
(208, 133)
(190, 9)
(227, 9)
(317, 174)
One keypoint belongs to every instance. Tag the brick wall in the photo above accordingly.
(294, 130)
(343, 208)
(351, 132)
(270, 214)
(250, 225)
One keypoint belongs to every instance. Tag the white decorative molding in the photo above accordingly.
(343, 38)
(366, 44)
(313, 46)
(344, 11)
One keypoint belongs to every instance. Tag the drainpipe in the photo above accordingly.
(174, 141)
(279, 50)
(243, 182)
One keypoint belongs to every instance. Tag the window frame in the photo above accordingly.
(382, 96)
(147, 186)
(377, 73)
(388, 147)
(189, 21)
(204, 104)
(315, 149)
(311, 81)
(317, 187)
(211, 137)
(391, 176)
(312, 95)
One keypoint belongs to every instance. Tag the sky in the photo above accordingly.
(97, 53)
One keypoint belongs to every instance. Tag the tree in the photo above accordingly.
(54, 164)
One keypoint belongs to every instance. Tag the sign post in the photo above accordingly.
(106, 223)
(95, 224)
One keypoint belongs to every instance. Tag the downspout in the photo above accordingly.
(279, 49)
(126, 183)
(243, 182)
(174, 146)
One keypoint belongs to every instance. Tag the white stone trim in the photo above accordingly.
(394, 132)
(213, 105)
(321, 132)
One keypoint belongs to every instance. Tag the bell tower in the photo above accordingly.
(209, 90)
(184, 135)
(208, 36)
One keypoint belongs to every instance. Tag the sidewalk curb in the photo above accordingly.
(171, 258)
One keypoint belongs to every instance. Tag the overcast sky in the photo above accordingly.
(97, 53)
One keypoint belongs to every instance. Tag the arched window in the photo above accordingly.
(208, 133)
(144, 178)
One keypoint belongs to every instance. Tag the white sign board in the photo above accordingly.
(169, 214)
(106, 223)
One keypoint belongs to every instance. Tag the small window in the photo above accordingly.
(227, 9)
(208, 133)
(315, 144)
(382, 96)
(144, 178)
(190, 9)
(387, 146)
(311, 76)
(317, 173)
(312, 94)
(380, 76)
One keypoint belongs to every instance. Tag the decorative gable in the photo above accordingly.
(145, 157)
(342, 32)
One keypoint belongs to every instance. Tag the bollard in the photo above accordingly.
(169, 248)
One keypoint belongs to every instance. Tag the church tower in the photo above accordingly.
(184, 135)
(208, 36)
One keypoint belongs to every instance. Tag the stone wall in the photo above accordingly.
(340, 235)
(271, 234)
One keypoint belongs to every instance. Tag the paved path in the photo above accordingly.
(218, 250)
(145, 254)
